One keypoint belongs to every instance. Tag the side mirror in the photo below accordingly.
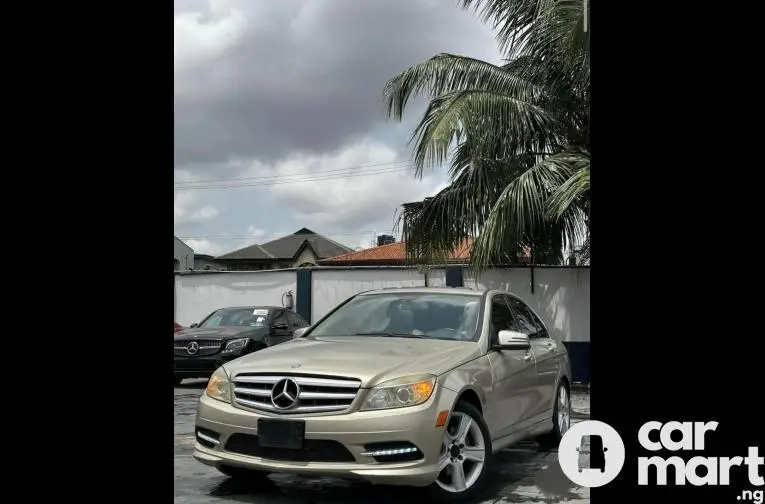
(280, 327)
(195, 324)
(299, 332)
(513, 340)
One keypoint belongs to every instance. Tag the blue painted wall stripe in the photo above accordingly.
(454, 276)
(303, 294)
(579, 354)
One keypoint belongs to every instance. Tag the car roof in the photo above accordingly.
(424, 290)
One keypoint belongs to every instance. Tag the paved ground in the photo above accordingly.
(522, 474)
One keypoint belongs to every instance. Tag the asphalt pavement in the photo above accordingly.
(521, 474)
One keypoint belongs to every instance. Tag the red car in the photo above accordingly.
(178, 327)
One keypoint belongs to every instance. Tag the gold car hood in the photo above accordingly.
(371, 359)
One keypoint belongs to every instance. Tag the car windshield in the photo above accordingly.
(415, 315)
(243, 317)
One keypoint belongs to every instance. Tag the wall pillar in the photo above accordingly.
(579, 355)
(303, 294)
(454, 276)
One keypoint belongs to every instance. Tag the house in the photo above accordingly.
(392, 254)
(301, 249)
(184, 256)
(206, 262)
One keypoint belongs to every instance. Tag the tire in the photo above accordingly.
(240, 473)
(561, 419)
(177, 380)
(474, 470)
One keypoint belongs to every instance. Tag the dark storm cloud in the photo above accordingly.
(308, 75)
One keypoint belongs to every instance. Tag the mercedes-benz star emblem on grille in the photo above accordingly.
(285, 393)
(192, 348)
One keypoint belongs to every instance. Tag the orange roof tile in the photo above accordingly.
(394, 252)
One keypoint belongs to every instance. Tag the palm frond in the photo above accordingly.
(438, 225)
(518, 136)
(519, 212)
(445, 73)
(574, 189)
(490, 119)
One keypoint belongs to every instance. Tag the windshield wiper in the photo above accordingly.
(392, 335)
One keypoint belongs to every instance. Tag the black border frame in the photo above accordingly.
(92, 115)
(674, 331)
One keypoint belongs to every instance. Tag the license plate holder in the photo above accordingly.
(284, 434)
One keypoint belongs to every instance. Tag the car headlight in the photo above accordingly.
(219, 387)
(235, 345)
(400, 393)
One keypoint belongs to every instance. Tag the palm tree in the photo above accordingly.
(517, 136)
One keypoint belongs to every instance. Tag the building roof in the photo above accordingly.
(289, 247)
(392, 253)
(182, 243)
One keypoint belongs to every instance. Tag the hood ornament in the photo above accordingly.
(295, 366)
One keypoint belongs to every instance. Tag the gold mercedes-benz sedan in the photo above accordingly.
(403, 386)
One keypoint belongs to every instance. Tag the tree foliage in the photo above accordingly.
(516, 138)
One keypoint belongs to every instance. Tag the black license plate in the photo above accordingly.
(285, 434)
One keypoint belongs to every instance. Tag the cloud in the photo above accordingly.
(373, 186)
(295, 86)
(255, 232)
(262, 80)
(186, 212)
(197, 40)
(205, 246)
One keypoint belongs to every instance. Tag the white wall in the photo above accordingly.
(437, 278)
(197, 295)
(332, 287)
(561, 296)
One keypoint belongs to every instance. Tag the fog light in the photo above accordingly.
(396, 451)
(207, 438)
(387, 453)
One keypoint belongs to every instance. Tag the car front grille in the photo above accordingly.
(204, 347)
(315, 450)
(305, 394)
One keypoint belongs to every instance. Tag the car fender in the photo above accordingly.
(564, 372)
(475, 377)
(257, 340)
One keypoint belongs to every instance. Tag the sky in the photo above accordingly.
(279, 116)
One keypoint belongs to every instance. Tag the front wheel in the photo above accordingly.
(561, 419)
(464, 456)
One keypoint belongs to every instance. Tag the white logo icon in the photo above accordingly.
(591, 453)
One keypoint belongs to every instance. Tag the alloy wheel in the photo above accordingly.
(463, 454)
(564, 410)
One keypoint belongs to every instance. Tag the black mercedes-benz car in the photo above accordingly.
(229, 333)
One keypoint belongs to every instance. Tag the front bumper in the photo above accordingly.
(201, 367)
(347, 434)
